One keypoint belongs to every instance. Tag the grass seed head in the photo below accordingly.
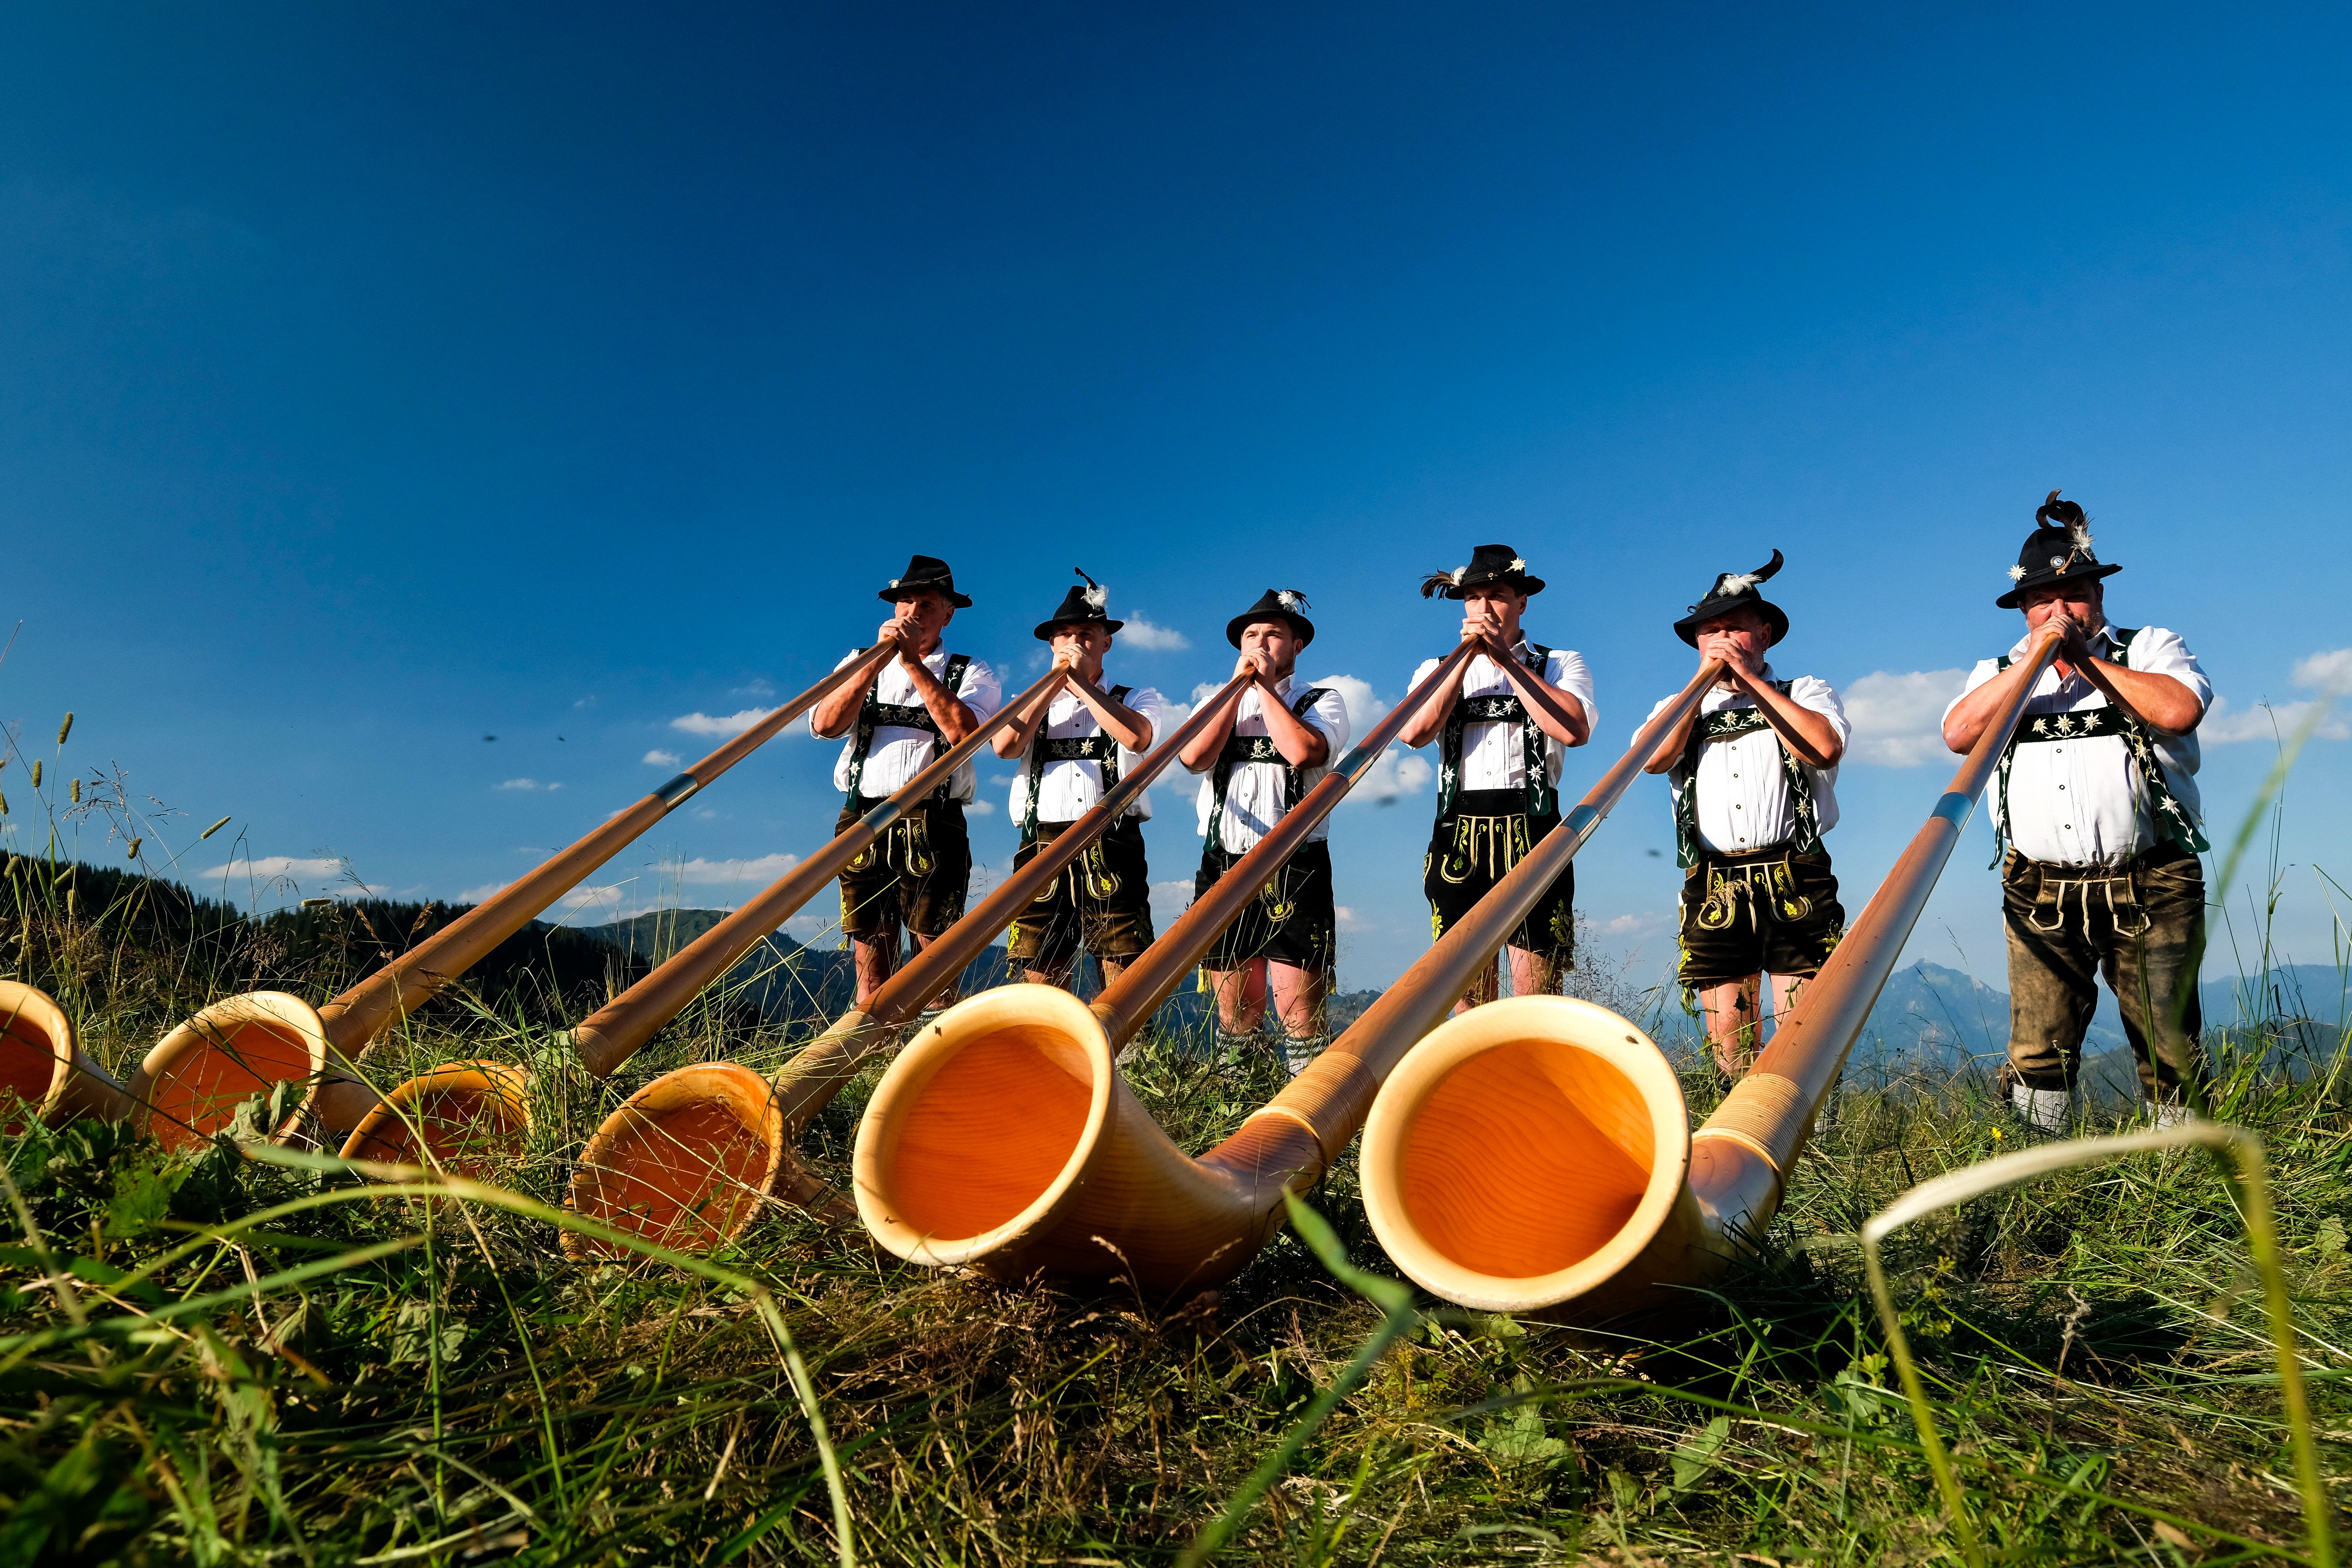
(135, 848)
(36, 773)
(215, 828)
(77, 791)
(65, 728)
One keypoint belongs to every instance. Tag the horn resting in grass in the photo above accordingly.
(1536, 1152)
(43, 1069)
(1081, 1184)
(440, 1114)
(692, 1158)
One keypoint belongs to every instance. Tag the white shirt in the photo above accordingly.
(2077, 803)
(1492, 756)
(1073, 788)
(900, 753)
(1254, 801)
(1743, 801)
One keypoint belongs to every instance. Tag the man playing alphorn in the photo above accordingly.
(1267, 750)
(1503, 731)
(1074, 745)
(2097, 799)
(917, 873)
(1753, 771)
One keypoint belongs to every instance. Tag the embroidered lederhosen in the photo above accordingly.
(909, 836)
(1099, 882)
(1238, 749)
(1485, 846)
(2166, 816)
(1766, 886)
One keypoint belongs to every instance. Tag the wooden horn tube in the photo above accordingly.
(43, 1067)
(351, 1023)
(657, 1140)
(1534, 1153)
(1082, 1185)
(609, 1037)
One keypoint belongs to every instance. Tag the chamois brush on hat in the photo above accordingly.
(1488, 563)
(1087, 605)
(1274, 605)
(2057, 551)
(1736, 591)
(925, 572)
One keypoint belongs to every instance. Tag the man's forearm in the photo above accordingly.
(2160, 702)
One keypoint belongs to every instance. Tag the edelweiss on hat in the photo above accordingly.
(1274, 605)
(1488, 563)
(925, 572)
(1089, 603)
(1736, 591)
(2058, 549)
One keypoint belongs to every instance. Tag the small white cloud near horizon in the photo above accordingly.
(1139, 633)
(582, 900)
(476, 895)
(657, 757)
(1898, 720)
(758, 685)
(293, 868)
(762, 869)
(1401, 770)
(720, 726)
(1347, 919)
(529, 785)
(979, 808)
(2328, 673)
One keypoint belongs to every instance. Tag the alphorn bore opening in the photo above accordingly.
(1526, 1150)
(978, 1132)
(467, 1118)
(191, 1084)
(682, 1162)
(43, 1072)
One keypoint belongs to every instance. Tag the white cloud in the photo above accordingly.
(764, 868)
(581, 900)
(1400, 772)
(529, 785)
(720, 725)
(476, 895)
(2272, 722)
(278, 866)
(1170, 898)
(1898, 720)
(2329, 672)
(1347, 919)
(1630, 925)
(585, 703)
(1139, 633)
(979, 808)
(658, 758)
(757, 686)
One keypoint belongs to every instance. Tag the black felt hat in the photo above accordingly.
(1736, 591)
(2057, 551)
(1274, 605)
(1089, 603)
(925, 572)
(1488, 563)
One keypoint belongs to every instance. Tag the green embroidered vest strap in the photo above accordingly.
(2165, 815)
(1240, 749)
(1534, 751)
(876, 715)
(1098, 747)
(1724, 724)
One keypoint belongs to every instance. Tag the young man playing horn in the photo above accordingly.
(2097, 799)
(1270, 748)
(917, 873)
(1753, 771)
(1074, 743)
(1503, 730)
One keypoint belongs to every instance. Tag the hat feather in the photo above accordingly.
(1291, 599)
(1096, 597)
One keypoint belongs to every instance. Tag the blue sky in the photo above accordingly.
(375, 379)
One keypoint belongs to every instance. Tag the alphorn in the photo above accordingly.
(1536, 1153)
(43, 1065)
(472, 1113)
(1005, 1140)
(691, 1159)
(193, 1080)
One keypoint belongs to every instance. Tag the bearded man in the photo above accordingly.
(1753, 771)
(1074, 742)
(2097, 800)
(1503, 730)
(917, 874)
(1263, 753)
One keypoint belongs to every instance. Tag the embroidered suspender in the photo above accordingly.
(2169, 819)
(1724, 724)
(1534, 751)
(1240, 749)
(875, 715)
(1098, 747)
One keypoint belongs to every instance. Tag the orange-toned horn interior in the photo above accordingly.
(1526, 1159)
(681, 1174)
(470, 1129)
(205, 1087)
(28, 1066)
(990, 1132)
